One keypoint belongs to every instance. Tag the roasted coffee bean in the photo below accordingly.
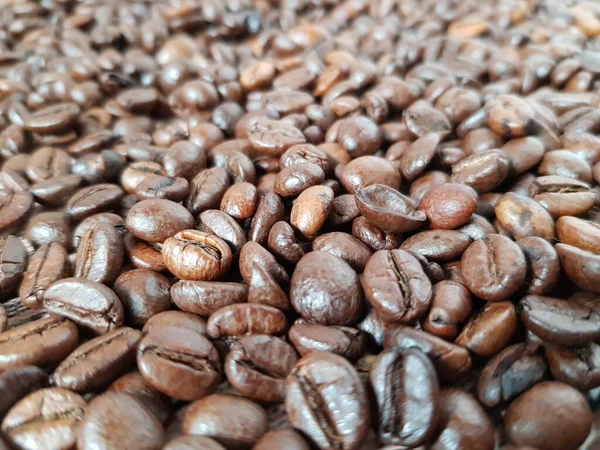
(310, 210)
(206, 297)
(265, 290)
(451, 305)
(493, 268)
(13, 262)
(449, 206)
(410, 375)
(240, 201)
(114, 420)
(245, 318)
(343, 210)
(543, 266)
(274, 137)
(87, 303)
(269, 210)
(280, 439)
(159, 186)
(144, 255)
(367, 170)
(558, 428)
(580, 233)
(157, 220)
(18, 382)
(562, 196)
(98, 362)
(359, 136)
(344, 341)
(136, 172)
(43, 342)
(93, 200)
(565, 164)
(523, 217)
(572, 323)
(57, 190)
(396, 286)
(195, 255)
(252, 254)
(295, 179)
(47, 265)
(257, 366)
(206, 190)
(388, 209)
(374, 237)
(490, 329)
(577, 366)
(100, 254)
(52, 119)
(179, 363)
(110, 218)
(143, 293)
(48, 227)
(46, 418)
(231, 420)
(463, 422)
(482, 171)
(438, 245)
(451, 361)
(316, 297)
(133, 383)
(177, 319)
(283, 243)
(193, 443)
(580, 266)
(345, 246)
(223, 226)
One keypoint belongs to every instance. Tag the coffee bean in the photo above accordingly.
(14, 209)
(246, 318)
(307, 405)
(13, 261)
(564, 428)
(47, 265)
(344, 341)
(451, 305)
(100, 254)
(98, 362)
(509, 115)
(396, 286)
(46, 418)
(451, 361)
(233, 421)
(265, 290)
(256, 366)
(43, 342)
(144, 255)
(179, 362)
(48, 227)
(270, 210)
(523, 217)
(115, 419)
(283, 438)
(206, 297)
(143, 293)
(571, 323)
(579, 233)
(449, 206)
(195, 255)
(367, 170)
(252, 254)
(273, 137)
(374, 237)
(92, 200)
(18, 382)
(578, 366)
(493, 268)
(52, 119)
(438, 245)
(482, 171)
(57, 190)
(543, 266)
(177, 319)
(157, 220)
(193, 443)
(87, 303)
(314, 295)
(345, 246)
(580, 266)
(310, 210)
(393, 375)
(283, 243)
(206, 190)
(565, 164)
(562, 196)
(240, 201)
(47, 163)
(490, 329)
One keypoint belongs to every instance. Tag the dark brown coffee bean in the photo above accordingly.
(410, 375)
(18, 382)
(280, 439)
(564, 428)
(193, 443)
(98, 362)
(136, 172)
(451, 361)
(509, 115)
(144, 255)
(157, 220)
(523, 217)
(46, 418)
(251, 254)
(223, 226)
(48, 227)
(450, 306)
(265, 290)
(206, 297)
(13, 261)
(257, 366)
(561, 322)
(562, 196)
(415, 159)
(482, 171)
(245, 318)
(87, 303)
(133, 384)
(580, 233)
(283, 243)
(438, 245)
(449, 206)
(177, 319)
(159, 186)
(388, 209)
(493, 268)
(578, 366)
(307, 406)
(270, 209)
(305, 153)
(344, 341)
(396, 286)
(184, 159)
(345, 246)
(580, 266)
(43, 342)
(56, 190)
(220, 416)
(52, 119)
(490, 329)
(100, 254)
(179, 362)
(206, 190)
(195, 255)
(47, 265)
(143, 293)
(47, 163)
(14, 209)
(463, 422)
(114, 420)
(343, 210)
(310, 210)
(565, 164)
(543, 266)
(374, 237)
(93, 199)
(240, 201)
(421, 118)
(274, 137)
(316, 297)
(367, 170)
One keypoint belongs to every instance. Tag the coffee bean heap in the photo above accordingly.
(299, 224)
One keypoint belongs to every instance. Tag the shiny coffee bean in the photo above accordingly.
(100, 254)
(246, 318)
(18, 382)
(46, 266)
(449, 206)
(562, 196)
(451, 305)
(543, 266)
(310, 210)
(374, 237)
(576, 366)
(438, 245)
(523, 217)
(13, 262)
(157, 220)
(580, 266)
(344, 341)
(345, 246)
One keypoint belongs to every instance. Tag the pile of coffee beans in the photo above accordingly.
(300, 224)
